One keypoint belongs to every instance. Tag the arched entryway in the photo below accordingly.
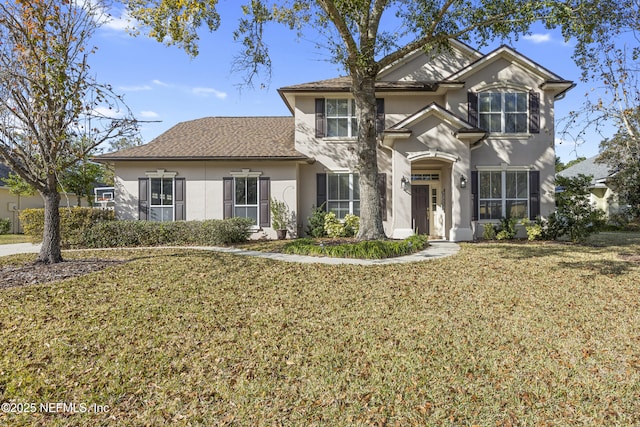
(430, 192)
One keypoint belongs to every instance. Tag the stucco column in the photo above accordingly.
(402, 227)
(461, 209)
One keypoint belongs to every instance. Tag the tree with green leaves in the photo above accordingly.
(357, 39)
(49, 99)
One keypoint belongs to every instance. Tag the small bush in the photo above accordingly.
(507, 229)
(534, 229)
(333, 227)
(488, 231)
(316, 223)
(367, 249)
(5, 225)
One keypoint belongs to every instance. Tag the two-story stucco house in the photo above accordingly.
(464, 138)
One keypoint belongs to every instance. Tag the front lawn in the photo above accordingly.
(499, 334)
(6, 239)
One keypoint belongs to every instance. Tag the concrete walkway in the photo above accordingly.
(436, 249)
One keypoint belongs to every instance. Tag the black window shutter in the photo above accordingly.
(382, 189)
(320, 118)
(534, 194)
(179, 201)
(472, 108)
(321, 190)
(265, 219)
(379, 115)
(143, 198)
(227, 198)
(534, 112)
(474, 195)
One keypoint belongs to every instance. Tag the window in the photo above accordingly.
(343, 194)
(341, 118)
(503, 112)
(246, 195)
(161, 199)
(246, 198)
(503, 194)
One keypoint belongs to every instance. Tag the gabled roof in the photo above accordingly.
(464, 130)
(552, 80)
(599, 172)
(219, 138)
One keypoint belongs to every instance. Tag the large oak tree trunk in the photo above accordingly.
(50, 253)
(371, 227)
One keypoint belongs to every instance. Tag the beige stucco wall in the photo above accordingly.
(203, 185)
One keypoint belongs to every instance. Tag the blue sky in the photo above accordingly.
(164, 84)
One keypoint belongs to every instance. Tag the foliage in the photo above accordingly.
(333, 227)
(488, 231)
(534, 229)
(507, 229)
(5, 225)
(575, 217)
(366, 249)
(562, 166)
(49, 99)
(316, 222)
(280, 214)
(18, 186)
(499, 334)
(75, 222)
(113, 234)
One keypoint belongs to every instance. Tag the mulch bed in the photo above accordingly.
(35, 273)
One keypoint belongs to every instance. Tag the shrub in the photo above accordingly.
(316, 222)
(74, 223)
(575, 217)
(148, 233)
(333, 227)
(5, 225)
(351, 225)
(367, 249)
(488, 231)
(534, 229)
(507, 229)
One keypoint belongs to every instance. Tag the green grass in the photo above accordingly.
(6, 239)
(500, 334)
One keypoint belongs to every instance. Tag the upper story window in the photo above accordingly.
(515, 112)
(341, 118)
(503, 112)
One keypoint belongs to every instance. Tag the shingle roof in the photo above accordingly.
(344, 84)
(589, 167)
(219, 138)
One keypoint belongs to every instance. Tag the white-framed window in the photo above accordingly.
(503, 112)
(341, 117)
(343, 194)
(503, 194)
(161, 198)
(246, 197)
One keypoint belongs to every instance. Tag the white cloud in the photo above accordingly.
(207, 91)
(148, 115)
(160, 83)
(134, 88)
(538, 38)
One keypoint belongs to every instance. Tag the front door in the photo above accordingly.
(420, 202)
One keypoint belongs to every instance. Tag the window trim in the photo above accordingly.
(161, 174)
(350, 200)
(351, 116)
(263, 200)
(505, 90)
(503, 191)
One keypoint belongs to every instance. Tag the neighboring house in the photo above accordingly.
(602, 196)
(464, 138)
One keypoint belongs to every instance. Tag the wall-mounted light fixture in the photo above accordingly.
(404, 183)
(463, 181)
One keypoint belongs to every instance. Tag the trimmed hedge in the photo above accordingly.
(117, 234)
(73, 223)
(97, 228)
